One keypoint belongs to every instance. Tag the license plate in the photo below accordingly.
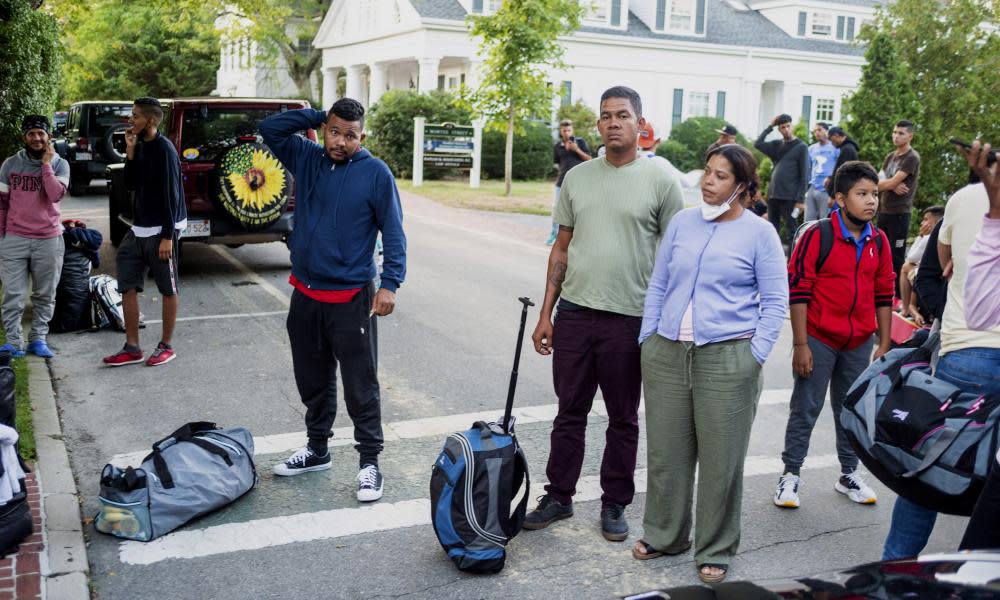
(197, 228)
(84, 156)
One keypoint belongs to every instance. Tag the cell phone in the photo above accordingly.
(992, 158)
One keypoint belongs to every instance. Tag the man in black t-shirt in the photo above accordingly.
(568, 152)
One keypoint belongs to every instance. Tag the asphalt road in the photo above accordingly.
(446, 351)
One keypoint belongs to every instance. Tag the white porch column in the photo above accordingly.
(330, 75)
(353, 88)
(378, 80)
(749, 118)
(428, 77)
(473, 73)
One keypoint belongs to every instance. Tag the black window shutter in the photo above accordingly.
(802, 23)
(720, 105)
(477, 6)
(661, 14)
(840, 27)
(616, 13)
(678, 106)
(850, 28)
(807, 102)
(699, 18)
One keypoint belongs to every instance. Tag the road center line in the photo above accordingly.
(327, 524)
(425, 427)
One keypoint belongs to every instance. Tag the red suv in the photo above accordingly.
(235, 190)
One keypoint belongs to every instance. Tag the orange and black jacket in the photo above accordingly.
(843, 295)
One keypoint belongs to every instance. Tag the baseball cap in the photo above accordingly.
(837, 131)
(727, 130)
(647, 136)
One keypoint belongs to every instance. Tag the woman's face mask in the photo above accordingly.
(711, 212)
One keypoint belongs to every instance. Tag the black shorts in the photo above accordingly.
(137, 255)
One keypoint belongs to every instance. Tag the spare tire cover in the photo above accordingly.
(253, 185)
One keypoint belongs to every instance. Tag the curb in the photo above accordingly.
(64, 566)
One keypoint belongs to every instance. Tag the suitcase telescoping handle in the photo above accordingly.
(525, 303)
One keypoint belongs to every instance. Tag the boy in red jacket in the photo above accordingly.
(836, 302)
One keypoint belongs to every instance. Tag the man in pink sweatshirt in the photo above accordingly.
(32, 182)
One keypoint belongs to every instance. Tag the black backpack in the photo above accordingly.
(474, 481)
(825, 227)
(15, 515)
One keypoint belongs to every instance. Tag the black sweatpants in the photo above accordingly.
(779, 210)
(323, 335)
(896, 228)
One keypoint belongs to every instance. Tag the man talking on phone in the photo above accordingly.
(32, 182)
(153, 171)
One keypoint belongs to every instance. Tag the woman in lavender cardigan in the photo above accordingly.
(715, 305)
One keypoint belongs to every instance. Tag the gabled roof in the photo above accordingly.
(725, 26)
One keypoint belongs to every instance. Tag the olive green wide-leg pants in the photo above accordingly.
(700, 406)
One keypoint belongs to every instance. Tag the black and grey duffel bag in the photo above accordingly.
(193, 471)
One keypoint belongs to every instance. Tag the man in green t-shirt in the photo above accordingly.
(611, 213)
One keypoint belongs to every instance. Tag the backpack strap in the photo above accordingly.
(186, 433)
(825, 241)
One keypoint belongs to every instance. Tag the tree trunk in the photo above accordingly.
(508, 153)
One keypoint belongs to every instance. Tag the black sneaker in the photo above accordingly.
(614, 527)
(303, 461)
(547, 512)
(369, 483)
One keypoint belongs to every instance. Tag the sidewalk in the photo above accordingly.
(56, 554)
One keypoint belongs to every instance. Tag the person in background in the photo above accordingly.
(968, 357)
(567, 153)
(32, 182)
(908, 308)
(982, 302)
(714, 309)
(790, 176)
(822, 158)
(898, 187)
(835, 309)
(612, 213)
(727, 135)
(847, 150)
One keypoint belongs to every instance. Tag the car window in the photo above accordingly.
(206, 133)
(104, 116)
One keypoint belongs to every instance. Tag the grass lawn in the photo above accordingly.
(529, 197)
(25, 427)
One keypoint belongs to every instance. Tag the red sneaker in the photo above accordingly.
(123, 357)
(162, 354)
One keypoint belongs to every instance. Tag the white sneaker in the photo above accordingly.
(787, 494)
(369, 483)
(855, 488)
(303, 461)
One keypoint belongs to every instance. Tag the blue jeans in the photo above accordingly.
(972, 370)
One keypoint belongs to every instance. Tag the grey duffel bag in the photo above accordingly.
(193, 471)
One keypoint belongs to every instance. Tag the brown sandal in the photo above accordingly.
(709, 578)
(649, 552)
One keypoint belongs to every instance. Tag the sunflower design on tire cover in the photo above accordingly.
(254, 185)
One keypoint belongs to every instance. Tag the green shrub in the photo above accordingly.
(678, 154)
(532, 152)
(390, 124)
(689, 140)
(29, 70)
(584, 123)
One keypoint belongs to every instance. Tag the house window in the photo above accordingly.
(682, 15)
(305, 47)
(485, 7)
(825, 110)
(440, 82)
(676, 115)
(452, 83)
(720, 105)
(599, 11)
(698, 104)
(822, 24)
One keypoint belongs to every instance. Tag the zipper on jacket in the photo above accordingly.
(850, 313)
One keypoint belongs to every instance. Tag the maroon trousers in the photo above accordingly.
(594, 348)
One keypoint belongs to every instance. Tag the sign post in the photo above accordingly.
(418, 151)
(446, 146)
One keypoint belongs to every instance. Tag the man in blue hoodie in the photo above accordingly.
(344, 198)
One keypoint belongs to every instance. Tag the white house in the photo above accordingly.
(743, 60)
(248, 71)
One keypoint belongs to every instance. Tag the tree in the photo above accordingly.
(688, 141)
(125, 50)
(936, 64)
(29, 70)
(584, 123)
(519, 43)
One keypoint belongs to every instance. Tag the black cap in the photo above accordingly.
(837, 131)
(727, 130)
(783, 118)
(30, 122)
